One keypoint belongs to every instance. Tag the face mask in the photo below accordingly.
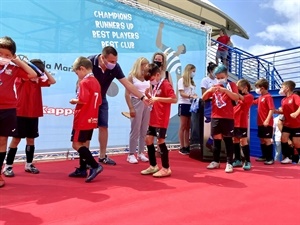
(222, 81)
(158, 63)
(4, 61)
(257, 90)
(241, 93)
(154, 82)
(109, 65)
(281, 92)
(193, 74)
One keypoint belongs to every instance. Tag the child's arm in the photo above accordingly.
(234, 96)
(31, 73)
(295, 114)
(51, 79)
(270, 115)
(207, 94)
(164, 99)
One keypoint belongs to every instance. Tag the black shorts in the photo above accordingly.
(240, 132)
(184, 110)
(294, 132)
(27, 127)
(222, 126)
(81, 135)
(265, 132)
(8, 122)
(157, 132)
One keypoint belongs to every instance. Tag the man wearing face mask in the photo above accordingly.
(106, 69)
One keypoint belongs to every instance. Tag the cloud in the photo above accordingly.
(260, 49)
(288, 31)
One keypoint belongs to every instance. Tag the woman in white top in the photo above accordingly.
(186, 89)
(139, 112)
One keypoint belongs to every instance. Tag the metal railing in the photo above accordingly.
(276, 66)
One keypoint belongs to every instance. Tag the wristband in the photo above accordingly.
(142, 97)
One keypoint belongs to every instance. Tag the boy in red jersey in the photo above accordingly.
(290, 107)
(265, 121)
(8, 101)
(223, 96)
(85, 117)
(241, 118)
(161, 99)
(29, 109)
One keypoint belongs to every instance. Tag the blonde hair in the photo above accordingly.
(164, 61)
(186, 76)
(137, 66)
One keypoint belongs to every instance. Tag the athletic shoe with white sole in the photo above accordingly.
(213, 165)
(229, 168)
(131, 159)
(142, 157)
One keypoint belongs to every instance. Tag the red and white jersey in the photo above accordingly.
(8, 74)
(29, 97)
(219, 98)
(241, 111)
(160, 113)
(265, 104)
(86, 115)
(290, 105)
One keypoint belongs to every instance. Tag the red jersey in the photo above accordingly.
(29, 97)
(224, 40)
(160, 113)
(289, 105)
(265, 104)
(241, 111)
(8, 98)
(218, 98)
(86, 115)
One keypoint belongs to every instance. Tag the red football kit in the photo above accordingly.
(224, 40)
(160, 113)
(29, 95)
(290, 105)
(265, 104)
(222, 106)
(8, 74)
(86, 115)
(241, 111)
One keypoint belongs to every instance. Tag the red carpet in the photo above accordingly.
(120, 195)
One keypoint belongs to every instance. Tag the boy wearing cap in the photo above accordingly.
(29, 109)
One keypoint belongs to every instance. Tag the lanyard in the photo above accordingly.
(88, 75)
(157, 87)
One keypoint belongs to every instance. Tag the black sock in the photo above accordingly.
(151, 154)
(82, 164)
(298, 150)
(2, 157)
(246, 151)
(29, 150)
(263, 151)
(164, 155)
(269, 152)
(86, 155)
(217, 150)
(229, 149)
(11, 154)
(237, 151)
(284, 149)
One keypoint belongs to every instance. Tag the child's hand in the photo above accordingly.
(194, 96)
(73, 101)
(266, 123)
(213, 89)
(294, 115)
(221, 89)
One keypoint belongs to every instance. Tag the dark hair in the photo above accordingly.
(290, 84)
(262, 83)
(151, 70)
(244, 83)
(109, 50)
(297, 92)
(211, 66)
(9, 44)
(38, 67)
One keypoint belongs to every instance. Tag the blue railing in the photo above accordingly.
(275, 66)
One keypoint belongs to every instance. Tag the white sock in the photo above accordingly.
(27, 165)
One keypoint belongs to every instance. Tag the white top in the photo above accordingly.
(277, 132)
(187, 90)
(140, 85)
(207, 82)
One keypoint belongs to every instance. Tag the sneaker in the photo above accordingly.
(8, 172)
(150, 170)
(93, 173)
(184, 151)
(2, 182)
(142, 157)
(131, 159)
(260, 159)
(247, 165)
(213, 165)
(163, 173)
(229, 168)
(270, 162)
(107, 161)
(78, 173)
(32, 169)
(237, 163)
(287, 160)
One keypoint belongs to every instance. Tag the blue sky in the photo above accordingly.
(271, 24)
